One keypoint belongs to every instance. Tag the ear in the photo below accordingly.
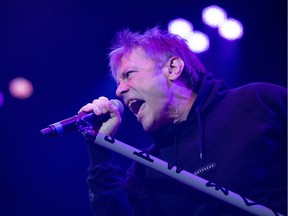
(175, 67)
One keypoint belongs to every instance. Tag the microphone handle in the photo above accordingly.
(74, 123)
(61, 127)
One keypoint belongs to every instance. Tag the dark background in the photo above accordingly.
(62, 46)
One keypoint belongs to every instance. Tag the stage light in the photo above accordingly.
(20, 88)
(231, 29)
(180, 27)
(198, 42)
(1, 99)
(213, 15)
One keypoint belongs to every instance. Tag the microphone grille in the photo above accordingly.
(118, 104)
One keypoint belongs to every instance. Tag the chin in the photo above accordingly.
(150, 124)
(149, 128)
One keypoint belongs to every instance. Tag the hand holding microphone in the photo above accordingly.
(103, 115)
(103, 107)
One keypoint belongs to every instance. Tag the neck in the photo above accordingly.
(184, 105)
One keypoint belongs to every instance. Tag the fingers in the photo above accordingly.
(87, 108)
(100, 106)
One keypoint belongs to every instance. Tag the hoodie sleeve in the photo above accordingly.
(106, 184)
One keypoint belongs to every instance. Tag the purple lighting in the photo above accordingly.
(213, 15)
(231, 29)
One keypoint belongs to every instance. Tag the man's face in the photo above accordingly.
(144, 89)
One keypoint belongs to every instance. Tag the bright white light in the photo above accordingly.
(213, 15)
(1, 99)
(20, 88)
(198, 42)
(231, 29)
(180, 27)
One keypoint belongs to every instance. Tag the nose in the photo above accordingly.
(122, 88)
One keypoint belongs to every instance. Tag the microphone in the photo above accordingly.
(76, 122)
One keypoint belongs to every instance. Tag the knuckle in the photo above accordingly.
(95, 101)
(103, 98)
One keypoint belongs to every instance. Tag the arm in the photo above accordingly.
(106, 180)
(106, 184)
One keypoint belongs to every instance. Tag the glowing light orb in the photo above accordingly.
(231, 29)
(20, 88)
(180, 27)
(213, 15)
(198, 42)
(1, 99)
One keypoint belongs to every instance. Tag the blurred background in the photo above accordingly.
(53, 60)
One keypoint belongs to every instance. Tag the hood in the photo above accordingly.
(209, 93)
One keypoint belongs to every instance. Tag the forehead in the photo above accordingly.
(134, 60)
(135, 55)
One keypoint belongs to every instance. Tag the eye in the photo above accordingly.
(125, 76)
(128, 74)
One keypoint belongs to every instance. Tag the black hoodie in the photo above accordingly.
(233, 137)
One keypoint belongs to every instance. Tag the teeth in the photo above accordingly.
(131, 102)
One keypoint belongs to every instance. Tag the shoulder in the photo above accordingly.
(264, 86)
(263, 98)
(265, 92)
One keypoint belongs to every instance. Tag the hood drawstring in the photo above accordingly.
(207, 167)
(201, 135)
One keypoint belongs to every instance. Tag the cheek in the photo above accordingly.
(158, 97)
(159, 87)
(158, 107)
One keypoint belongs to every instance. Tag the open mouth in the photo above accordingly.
(135, 105)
